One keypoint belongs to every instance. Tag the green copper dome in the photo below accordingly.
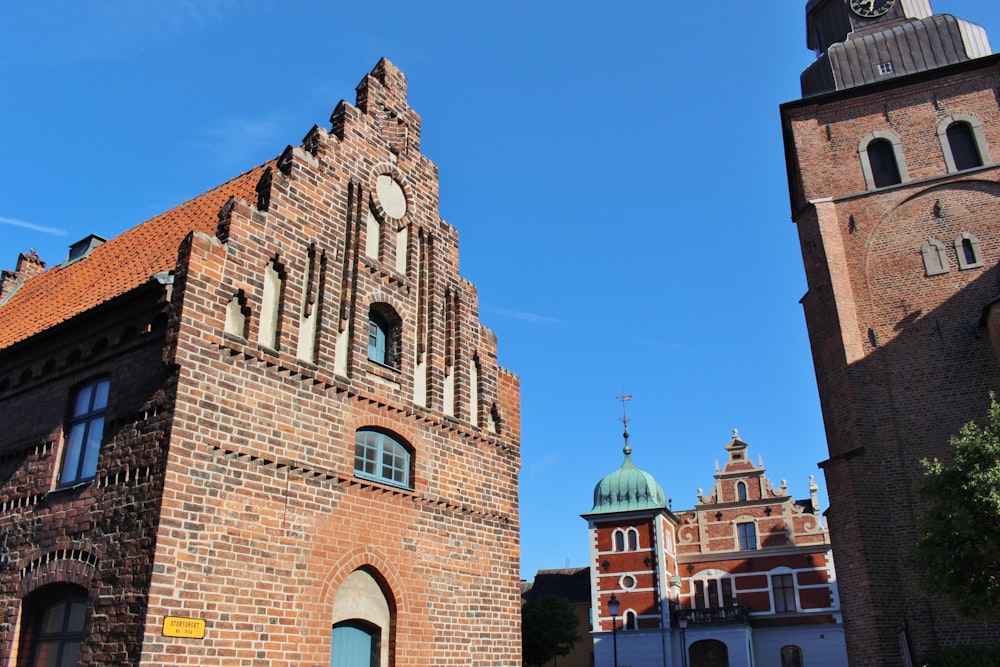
(628, 489)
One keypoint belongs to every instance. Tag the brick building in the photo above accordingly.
(896, 198)
(746, 577)
(265, 427)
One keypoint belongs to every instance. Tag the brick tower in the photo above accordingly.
(265, 427)
(895, 194)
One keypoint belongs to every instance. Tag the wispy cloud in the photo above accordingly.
(538, 467)
(107, 29)
(237, 141)
(32, 226)
(523, 315)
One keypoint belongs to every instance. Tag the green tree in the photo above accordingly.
(548, 629)
(958, 544)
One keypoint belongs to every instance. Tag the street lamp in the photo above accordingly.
(613, 606)
(682, 623)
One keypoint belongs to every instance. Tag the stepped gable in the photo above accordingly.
(117, 266)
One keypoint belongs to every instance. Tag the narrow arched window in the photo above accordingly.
(270, 307)
(630, 621)
(741, 491)
(967, 249)
(383, 335)
(935, 260)
(884, 168)
(619, 540)
(633, 539)
(379, 456)
(962, 144)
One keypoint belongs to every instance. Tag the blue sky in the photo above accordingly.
(615, 173)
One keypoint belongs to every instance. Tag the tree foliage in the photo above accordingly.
(548, 629)
(958, 544)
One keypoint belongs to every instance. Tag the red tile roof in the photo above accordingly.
(118, 266)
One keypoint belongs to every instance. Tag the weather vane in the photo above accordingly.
(623, 398)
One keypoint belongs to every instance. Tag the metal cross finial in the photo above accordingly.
(623, 398)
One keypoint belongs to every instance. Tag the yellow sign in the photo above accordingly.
(176, 626)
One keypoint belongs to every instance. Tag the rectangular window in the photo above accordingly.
(784, 592)
(84, 432)
(747, 534)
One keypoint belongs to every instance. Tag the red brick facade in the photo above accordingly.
(227, 488)
(747, 566)
(902, 358)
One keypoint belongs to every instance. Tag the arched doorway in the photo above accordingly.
(708, 653)
(362, 622)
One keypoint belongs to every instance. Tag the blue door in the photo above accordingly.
(355, 643)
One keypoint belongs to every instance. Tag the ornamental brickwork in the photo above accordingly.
(252, 340)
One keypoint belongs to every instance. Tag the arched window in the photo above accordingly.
(791, 656)
(963, 142)
(633, 539)
(708, 653)
(379, 456)
(935, 260)
(885, 171)
(383, 335)
(53, 623)
(967, 249)
(629, 620)
(741, 491)
(619, 540)
(882, 160)
(963, 147)
(84, 432)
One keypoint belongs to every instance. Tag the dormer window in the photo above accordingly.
(83, 248)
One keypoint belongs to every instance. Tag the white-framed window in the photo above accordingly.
(783, 591)
(712, 588)
(746, 535)
(741, 491)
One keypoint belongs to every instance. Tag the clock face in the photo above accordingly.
(871, 8)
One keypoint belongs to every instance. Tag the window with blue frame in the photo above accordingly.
(84, 432)
(379, 456)
(747, 535)
(383, 335)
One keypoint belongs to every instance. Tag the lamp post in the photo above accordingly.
(682, 623)
(613, 606)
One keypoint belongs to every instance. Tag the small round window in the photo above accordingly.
(627, 582)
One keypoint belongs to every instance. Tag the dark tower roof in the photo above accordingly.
(854, 50)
